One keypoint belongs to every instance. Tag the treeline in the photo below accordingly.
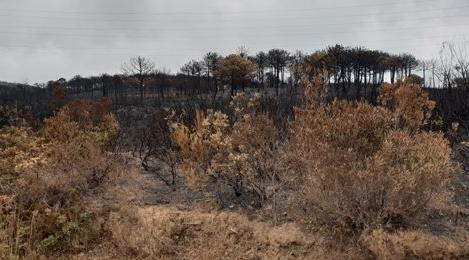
(13, 92)
(275, 69)
(352, 73)
(348, 68)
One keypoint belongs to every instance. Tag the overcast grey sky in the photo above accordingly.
(49, 39)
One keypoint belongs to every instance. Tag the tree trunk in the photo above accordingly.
(277, 81)
(141, 89)
(232, 85)
(393, 75)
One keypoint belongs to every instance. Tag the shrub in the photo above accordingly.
(201, 145)
(82, 121)
(155, 147)
(257, 138)
(20, 149)
(410, 104)
(352, 127)
(414, 80)
(361, 170)
(46, 176)
(239, 152)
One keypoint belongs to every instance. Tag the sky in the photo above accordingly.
(50, 39)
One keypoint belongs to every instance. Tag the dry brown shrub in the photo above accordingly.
(75, 149)
(414, 80)
(358, 128)
(58, 90)
(257, 137)
(420, 166)
(416, 245)
(201, 145)
(360, 171)
(316, 91)
(410, 104)
(81, 120)
(240, 152)
(20, 149)
(48, 174)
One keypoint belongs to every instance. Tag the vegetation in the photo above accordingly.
(235, 68)
(47, 174)
(239, 152)
(319, 173)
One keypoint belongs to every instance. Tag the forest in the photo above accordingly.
(343, 153)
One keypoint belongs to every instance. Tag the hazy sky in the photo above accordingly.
(49, 39)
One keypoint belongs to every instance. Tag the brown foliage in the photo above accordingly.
(360, 170)
(240, 153)
(47, 174)
(354, 128)
(350, 166)
(414, 80)
(166, 233)
(235, 68)
(80, 121)
(410, 104)
(416, 245)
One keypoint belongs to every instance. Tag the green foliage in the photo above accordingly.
(67, 229)
(235, 68)
(49, 242)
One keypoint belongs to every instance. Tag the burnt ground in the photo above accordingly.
(448, 217)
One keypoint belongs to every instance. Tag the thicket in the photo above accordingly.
(239, 150)
(351, 166)
(46, 176)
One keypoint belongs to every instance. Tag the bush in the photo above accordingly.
(410, 104)
(240, 152)
(361, 169)
(46, 176)
(356, 128)
(414, 80)
(82, 121)
(155, 147)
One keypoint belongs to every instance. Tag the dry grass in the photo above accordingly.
(417, 245)
(166, 233)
